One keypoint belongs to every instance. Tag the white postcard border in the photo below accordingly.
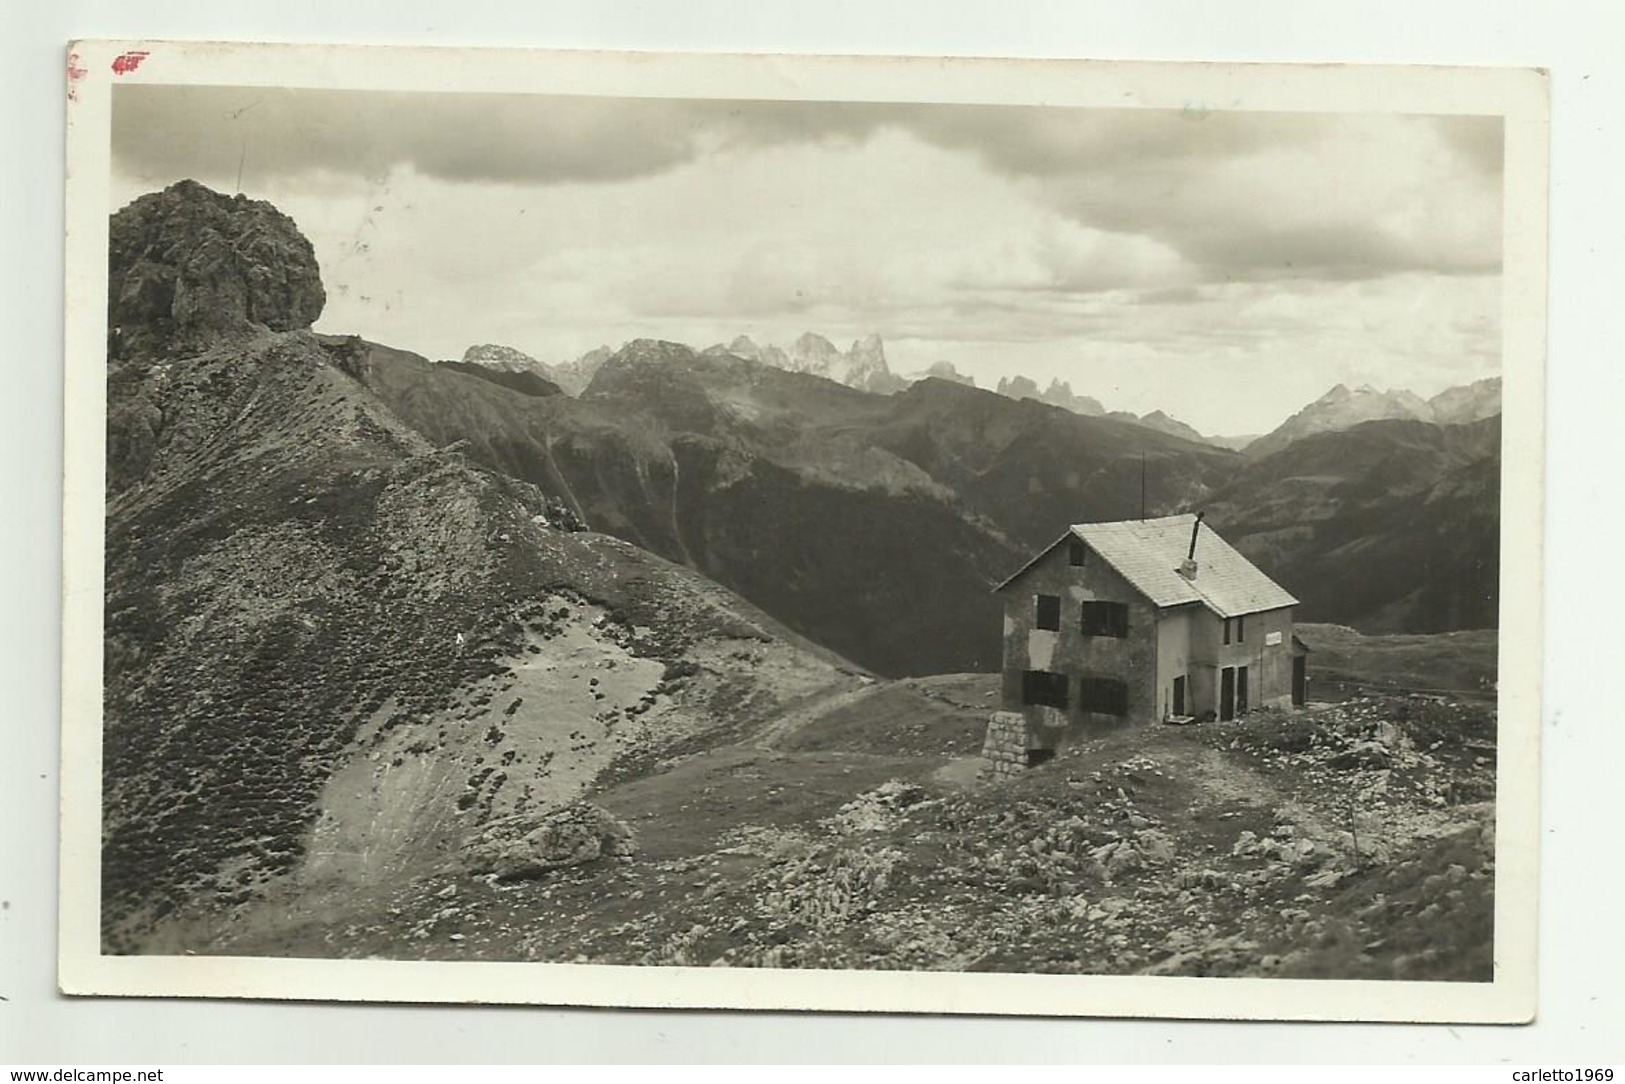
(1520, 96)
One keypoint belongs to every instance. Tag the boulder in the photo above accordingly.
(529, 845)
(1365, 754)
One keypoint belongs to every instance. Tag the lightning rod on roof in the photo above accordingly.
(1142, 483)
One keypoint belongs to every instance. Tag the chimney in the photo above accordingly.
(1188, 568)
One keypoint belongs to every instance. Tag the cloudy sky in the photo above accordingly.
(1225, 267)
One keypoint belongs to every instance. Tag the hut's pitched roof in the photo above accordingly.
(1149, 552)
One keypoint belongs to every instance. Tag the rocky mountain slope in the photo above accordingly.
(874, 524)
(1389, 526)
(751, 476)
(1353, 842)
(523, 381)
(339, 658)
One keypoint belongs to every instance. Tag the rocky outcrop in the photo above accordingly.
(188, 266)
(524, 846)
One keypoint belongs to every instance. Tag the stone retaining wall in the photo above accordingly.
(1005, 747)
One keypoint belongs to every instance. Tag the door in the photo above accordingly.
(1179, 695)
(1241, 690)
(1300, 680)
(1227, 693)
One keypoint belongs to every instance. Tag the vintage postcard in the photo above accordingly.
(865, 534)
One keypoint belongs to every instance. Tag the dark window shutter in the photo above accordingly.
(1105, 619)
(1043, 687)
(1048, 615)
(1107, 696)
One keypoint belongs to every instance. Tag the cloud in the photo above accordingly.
(161, 131)
(1241, 195)
(1341, 198)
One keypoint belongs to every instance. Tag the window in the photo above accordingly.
(1105, 619)
(1076, 552)
(1241, 629)
(1105, 695)
(1235, 629)
(1043, 687)
(1049, 612)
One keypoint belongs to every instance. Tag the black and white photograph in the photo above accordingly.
(735, 524)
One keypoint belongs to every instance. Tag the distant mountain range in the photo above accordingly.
(862, 366)
(1343, 407)
(744, 469)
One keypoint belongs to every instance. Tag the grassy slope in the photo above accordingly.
(1343, 662)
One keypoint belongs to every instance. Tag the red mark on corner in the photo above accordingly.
(128, 62)
(75, 73)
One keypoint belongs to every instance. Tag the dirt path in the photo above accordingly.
(810, 711)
